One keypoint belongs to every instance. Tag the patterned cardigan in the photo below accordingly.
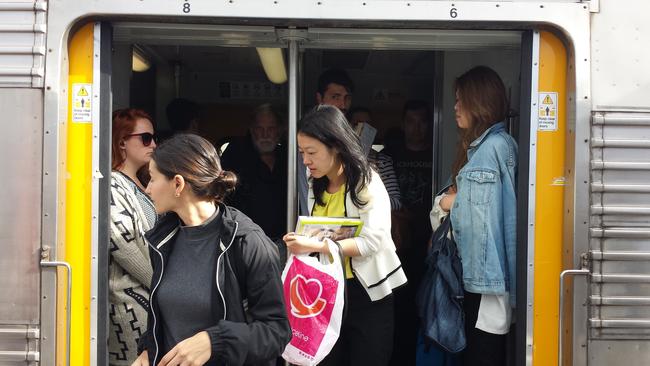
(129, 272)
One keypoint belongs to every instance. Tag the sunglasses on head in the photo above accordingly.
(145, 136)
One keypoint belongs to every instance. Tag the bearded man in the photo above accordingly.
(260, 162)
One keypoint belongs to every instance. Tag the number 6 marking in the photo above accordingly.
(453, 12)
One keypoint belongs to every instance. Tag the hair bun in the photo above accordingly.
(223, 184)
(229, 180)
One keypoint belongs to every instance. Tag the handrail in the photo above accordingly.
(568, 272)
(57, 264)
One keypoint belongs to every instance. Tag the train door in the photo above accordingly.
(214, 64)
(389, 67)
(119, 65)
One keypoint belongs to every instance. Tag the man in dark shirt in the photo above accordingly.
(183, 117)
(412, 159)
(260, 163)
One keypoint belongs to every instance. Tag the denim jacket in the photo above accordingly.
(484, 214)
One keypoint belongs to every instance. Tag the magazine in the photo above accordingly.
(367, 135)
(333, 228)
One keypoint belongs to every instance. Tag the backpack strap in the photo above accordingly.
(345, 282)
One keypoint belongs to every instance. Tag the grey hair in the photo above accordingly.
(266, 108)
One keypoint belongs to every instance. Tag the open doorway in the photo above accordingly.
(227, 82)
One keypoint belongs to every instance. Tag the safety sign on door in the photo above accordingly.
(547, 112)
(81, 102)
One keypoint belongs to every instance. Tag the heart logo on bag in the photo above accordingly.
(305, 295)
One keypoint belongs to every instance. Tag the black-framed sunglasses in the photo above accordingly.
(145, 136)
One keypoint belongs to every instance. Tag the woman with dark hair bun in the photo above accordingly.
(216, 293)
(343, 184)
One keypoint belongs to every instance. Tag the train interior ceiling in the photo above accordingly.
(219, 68)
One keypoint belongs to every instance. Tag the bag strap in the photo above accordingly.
(444, 228)
(345, 283)
(451, 228)
(453, 245)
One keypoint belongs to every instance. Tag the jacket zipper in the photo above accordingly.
(216, 275)
(162, 270)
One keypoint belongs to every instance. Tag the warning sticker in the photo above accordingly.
(547, 112)
(81, 103)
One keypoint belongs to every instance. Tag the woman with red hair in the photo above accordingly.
(132, 214)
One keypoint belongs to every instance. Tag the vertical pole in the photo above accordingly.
(78, 188)
(292, 146)
(94, 198)
(526, 135)
(438, 83)
(104, 79)
(549, 111)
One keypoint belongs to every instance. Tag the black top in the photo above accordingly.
(248, 268)
(414, 173)
(184, 295)
(261, 192)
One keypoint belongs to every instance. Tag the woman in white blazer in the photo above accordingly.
(342, 183)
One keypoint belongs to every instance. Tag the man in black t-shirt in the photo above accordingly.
(412, 158)
(412, 155)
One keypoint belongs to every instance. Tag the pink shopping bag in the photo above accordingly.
(313, 292)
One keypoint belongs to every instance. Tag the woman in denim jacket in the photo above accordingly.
(482, 204)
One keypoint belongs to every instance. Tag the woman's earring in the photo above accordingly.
(178, 194)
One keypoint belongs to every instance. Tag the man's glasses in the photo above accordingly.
(145, 136)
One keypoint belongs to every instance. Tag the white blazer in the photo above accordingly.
(378, 268)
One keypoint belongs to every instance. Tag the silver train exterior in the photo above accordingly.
(608, 191)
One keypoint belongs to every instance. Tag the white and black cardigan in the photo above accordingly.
(378, 268)
(129, 271)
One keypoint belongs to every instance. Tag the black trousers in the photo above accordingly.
(406, 312)
(367, 331)
(483, 348)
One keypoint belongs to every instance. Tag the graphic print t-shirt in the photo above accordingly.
(414, 173)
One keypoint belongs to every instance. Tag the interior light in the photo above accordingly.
(139, 63)
(273, 63)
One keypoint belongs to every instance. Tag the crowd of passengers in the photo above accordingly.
(195, 234)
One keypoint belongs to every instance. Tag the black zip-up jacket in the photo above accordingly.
(247, 262)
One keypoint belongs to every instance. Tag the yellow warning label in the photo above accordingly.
(547, 111)
(81, 103)
(548, 100)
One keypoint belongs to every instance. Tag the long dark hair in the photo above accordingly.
(483, 99)
(328, 125)
(196, 160)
